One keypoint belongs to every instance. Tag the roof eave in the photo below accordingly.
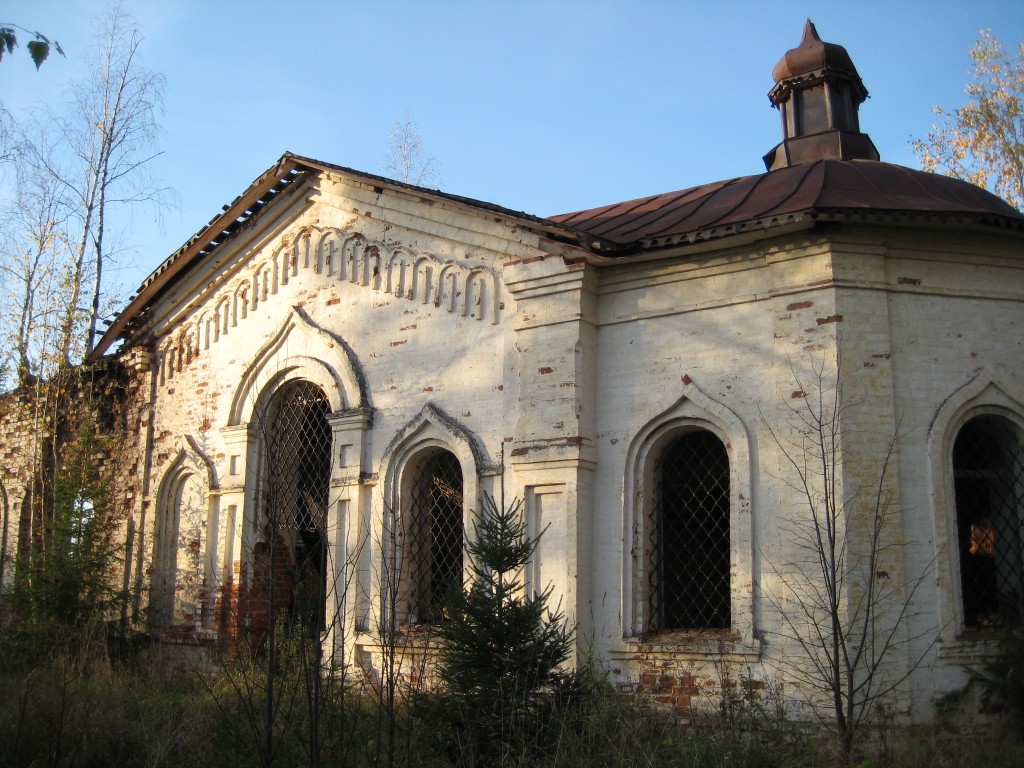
(222, 226)
(809, 216)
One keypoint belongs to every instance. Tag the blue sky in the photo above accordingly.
(546, 107)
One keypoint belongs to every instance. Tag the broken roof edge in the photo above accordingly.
(253, 199)
(178, 263)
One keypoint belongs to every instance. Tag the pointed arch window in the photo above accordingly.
(435, 533)
(688, 569)
(988, 478)
(180, 578)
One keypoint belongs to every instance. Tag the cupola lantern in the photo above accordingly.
(818, 92)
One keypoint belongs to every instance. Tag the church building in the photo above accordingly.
(684, 391)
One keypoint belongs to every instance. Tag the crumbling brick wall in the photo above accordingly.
(38, 423)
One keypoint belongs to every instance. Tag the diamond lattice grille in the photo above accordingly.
(988, 474)
(299, 467)
(435, 534)
(689, 547)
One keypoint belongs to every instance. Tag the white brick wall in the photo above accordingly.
(553, 379)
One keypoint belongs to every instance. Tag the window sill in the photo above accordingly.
(974, 647)
(422, 636)
(723, 644)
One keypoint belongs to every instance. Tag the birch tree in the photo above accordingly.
(983, 141)
(405, 160)
(31, 308)
(98, 153)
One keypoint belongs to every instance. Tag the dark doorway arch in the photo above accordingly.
(296, 487)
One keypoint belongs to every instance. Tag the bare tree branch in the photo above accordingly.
(834, 595)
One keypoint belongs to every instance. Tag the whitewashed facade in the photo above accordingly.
(544, 369)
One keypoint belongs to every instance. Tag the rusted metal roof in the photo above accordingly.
(819, 189)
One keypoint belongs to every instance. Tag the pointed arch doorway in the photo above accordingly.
(295, 484)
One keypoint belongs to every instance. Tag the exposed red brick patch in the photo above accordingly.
(829, 319)
(533, 259)
(332, 302)
(545, 370)
(686, 379)
(796, 394)
(428, 389)
(799, 305)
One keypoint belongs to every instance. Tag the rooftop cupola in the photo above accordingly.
(818, 91)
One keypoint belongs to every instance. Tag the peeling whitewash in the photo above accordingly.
(559, 382)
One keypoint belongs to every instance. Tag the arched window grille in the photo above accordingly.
(988, 477)
(688, 581)
(297, 484)
(435, 534)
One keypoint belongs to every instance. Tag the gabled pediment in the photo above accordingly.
(400, 271)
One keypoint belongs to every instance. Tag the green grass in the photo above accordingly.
(85, 710)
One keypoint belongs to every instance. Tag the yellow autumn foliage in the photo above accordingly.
(983, 141)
